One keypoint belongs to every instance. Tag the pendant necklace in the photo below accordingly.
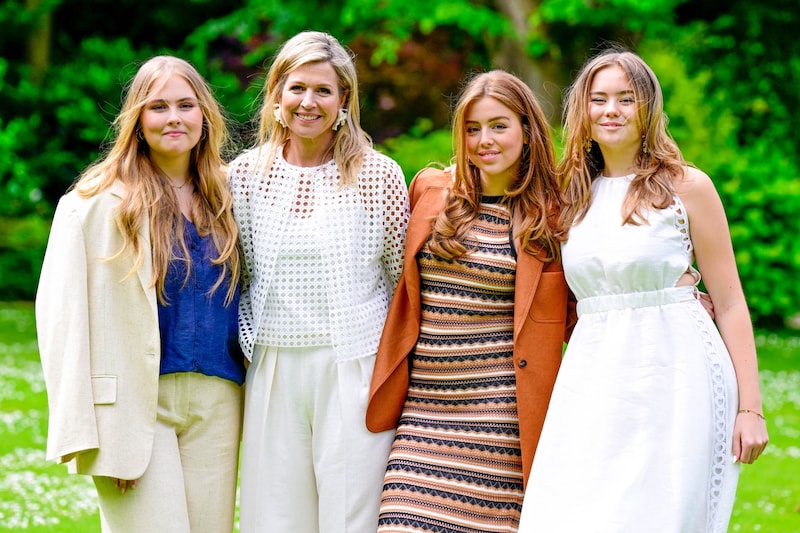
(181, 186)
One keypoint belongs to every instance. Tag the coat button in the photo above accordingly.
(523, 363)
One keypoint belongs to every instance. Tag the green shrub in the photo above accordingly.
(22, 244)
(419, 148)
(758, 181)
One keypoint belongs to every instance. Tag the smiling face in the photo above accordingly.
(613, 112)
(310, 102)
(171, 122)
(494, 142)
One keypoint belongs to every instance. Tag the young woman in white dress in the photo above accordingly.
(654, 405)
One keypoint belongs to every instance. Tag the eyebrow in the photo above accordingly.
(290, 82)
(501, 117)
(627, 91)
(179, 100)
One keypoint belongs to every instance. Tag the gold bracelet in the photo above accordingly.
(759, 415)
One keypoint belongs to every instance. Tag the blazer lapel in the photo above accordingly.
(419, 225)
(145, 270)
(529, 269)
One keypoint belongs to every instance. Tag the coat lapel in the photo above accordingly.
(145, 270)
(529, 270)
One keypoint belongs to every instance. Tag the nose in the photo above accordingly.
(308, 99)
(611, 108)
(174, 117)
(486, 136)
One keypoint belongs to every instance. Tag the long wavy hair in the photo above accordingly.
(349, 141)
(533, 197)
(148, 194)
(656, 165)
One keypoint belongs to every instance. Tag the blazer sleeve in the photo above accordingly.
(62, 323)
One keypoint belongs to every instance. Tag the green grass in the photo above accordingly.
(39, 497)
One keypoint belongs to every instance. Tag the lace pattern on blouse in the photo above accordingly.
(360, 237)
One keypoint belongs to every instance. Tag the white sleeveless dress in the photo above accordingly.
(638, 434)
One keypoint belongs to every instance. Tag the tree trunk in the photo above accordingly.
(545, 75)
(38, 45)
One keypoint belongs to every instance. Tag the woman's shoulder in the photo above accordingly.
(87, 207)
(692, 181)
(248, 158)
(373, 157)
(432, 176)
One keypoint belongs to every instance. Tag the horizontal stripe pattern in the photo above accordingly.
(455, 464)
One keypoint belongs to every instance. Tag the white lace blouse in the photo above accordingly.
(320, 260)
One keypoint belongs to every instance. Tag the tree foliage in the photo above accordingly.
(729, 71)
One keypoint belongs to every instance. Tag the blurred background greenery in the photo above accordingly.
(730, 71)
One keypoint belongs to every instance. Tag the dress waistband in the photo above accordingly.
(633, 300)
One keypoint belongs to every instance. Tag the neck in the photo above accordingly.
(308, 152)
(618, 164)
(176, 170)
(494, 186)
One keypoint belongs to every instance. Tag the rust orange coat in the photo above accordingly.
(543, 318)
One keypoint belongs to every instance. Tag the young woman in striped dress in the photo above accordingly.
(474, 334)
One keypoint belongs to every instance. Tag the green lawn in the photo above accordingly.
(39, 497)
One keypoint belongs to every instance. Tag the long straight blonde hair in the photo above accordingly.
(147, 190)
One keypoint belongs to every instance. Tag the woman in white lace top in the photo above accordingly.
(322, 219)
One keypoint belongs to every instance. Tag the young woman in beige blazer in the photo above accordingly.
(136, 314)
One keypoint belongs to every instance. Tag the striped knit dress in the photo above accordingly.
(455, 464)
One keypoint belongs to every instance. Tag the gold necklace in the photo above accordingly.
(181, 186)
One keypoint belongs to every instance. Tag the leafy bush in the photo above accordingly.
(758, 180)
(22, 244)
(419, 148)
(58, 128)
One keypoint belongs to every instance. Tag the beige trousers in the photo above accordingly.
(309, 464)
(190, 483)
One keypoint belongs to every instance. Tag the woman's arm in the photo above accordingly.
(713, 250)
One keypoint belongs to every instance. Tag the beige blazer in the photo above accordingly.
(99, 341)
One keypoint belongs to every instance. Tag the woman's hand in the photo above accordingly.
(124, 484)
(749, 436)
(705, 301)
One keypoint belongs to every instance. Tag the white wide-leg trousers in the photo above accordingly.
(309, 464)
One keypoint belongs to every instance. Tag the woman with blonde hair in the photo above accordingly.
(137, 314)
(473, 339)
(322, 217)
(655, 405)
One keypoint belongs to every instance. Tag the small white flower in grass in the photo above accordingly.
(33, 498)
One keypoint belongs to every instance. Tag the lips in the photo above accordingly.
(488, 156)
